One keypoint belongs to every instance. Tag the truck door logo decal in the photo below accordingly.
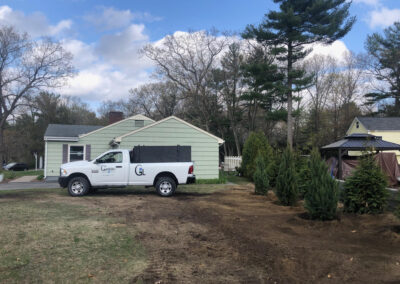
(106, 169)
(139, 171)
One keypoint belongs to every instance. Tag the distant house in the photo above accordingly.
(386, 127)
(66, 143)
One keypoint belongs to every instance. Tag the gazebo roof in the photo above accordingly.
(361, 141)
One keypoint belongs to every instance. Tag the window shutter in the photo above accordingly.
(65, 153)
(88, 152)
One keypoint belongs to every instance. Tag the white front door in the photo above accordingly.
(110, 169)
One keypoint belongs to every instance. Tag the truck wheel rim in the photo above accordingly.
(77, 187)
(165, 187)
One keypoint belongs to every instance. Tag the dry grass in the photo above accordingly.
(52, 240)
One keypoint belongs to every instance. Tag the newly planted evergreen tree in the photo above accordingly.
(256, 144)
(291, 30)
(260, 176)
(322, 196)
(286, 183)
(365, 191)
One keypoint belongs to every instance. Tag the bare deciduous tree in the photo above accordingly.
(322, 69)
(229, 81)
(156, 100)
(187, 59)
(26, 67)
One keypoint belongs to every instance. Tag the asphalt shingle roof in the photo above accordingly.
(380, 123)
(68, 130)
(359, 141)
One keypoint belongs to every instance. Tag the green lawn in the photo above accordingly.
(17, 174)
(46, 238)
(230, 177)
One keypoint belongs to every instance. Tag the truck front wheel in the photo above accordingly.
(165, 186)
(78, 186)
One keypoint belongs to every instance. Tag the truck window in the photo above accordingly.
(112, 157)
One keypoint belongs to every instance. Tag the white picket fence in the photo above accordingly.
(231, 162)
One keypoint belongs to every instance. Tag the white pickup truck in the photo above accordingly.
(117, 168)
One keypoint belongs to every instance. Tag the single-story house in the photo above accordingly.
(66, 143)
(386, 127)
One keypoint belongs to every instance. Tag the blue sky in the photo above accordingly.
(104, 36)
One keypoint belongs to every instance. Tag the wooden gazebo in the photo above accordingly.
(359, 142)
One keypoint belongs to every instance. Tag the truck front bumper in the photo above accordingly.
(191, 179)
(63, 181)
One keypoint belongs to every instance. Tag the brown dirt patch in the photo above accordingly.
(236, 236)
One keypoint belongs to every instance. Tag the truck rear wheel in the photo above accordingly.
(78, 186)
(165, 186)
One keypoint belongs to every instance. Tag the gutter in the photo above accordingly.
(55, 138)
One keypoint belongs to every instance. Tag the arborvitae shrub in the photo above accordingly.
(365, 190)
(286, 182)
(303, 173)
(260, 176)
(256, 144)
(322, 194)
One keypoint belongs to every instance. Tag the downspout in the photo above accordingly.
(45, 159)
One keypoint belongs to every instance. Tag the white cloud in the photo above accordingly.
(368, 2)
(383, 17)
(110, 67)
(122, 48)
(36, 24)
(108, 18)
(106, 68)
(337, 50)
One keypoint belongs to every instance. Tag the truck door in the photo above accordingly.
(111, 169)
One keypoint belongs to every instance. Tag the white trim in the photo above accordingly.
(219, 140)
(54, 138)
(135, 117)
(84, 151)
(45, 159)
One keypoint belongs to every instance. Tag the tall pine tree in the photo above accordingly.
(291, 30)
(385, 64)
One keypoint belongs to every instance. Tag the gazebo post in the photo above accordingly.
(340, 163)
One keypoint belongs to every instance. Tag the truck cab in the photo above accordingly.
(119, 168)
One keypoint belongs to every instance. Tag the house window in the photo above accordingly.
(76, 153)
(139, 123)
(357, 125)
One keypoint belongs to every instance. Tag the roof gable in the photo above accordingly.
(380, 123)
(135, 117)
(219, 140)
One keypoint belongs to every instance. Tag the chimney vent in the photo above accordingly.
(114, 116)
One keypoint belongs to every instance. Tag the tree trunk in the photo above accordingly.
(289, 97)
(235, 136)
(397, 104)
(2, 150)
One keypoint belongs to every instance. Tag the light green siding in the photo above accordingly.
(53, 158)
(205, 149)
(98, 140)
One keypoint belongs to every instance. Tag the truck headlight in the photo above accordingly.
(63, 172)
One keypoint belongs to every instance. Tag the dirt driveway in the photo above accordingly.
(234, 236)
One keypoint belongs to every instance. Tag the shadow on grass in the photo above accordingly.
(142, 192)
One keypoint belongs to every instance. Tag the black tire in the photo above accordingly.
(78, 186)
(165, 186)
